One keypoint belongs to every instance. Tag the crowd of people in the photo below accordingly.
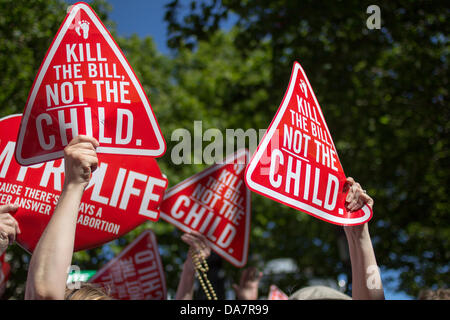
(51, 259)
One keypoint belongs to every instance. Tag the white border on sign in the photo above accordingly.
(193, 179)
(55, 45)
(262, 147)
(128, 248)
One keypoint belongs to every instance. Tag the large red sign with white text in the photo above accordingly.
(216, 203)
(123, 192)
(296, 162)
(85, 85)
(136, 273)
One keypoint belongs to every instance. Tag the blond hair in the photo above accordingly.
(439, 294)
(318, 293)
(87, 291)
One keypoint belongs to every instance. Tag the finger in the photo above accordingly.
(256, 274)
(352, 205)
(87, 153)
(83, 146)
(3, 237)
(252, 273)
(8, 220)
(84, 138)
(350, 180)
(89, 161)
(195, 233)
(348, 183)
(11, 232)
(351, 196)
(7, 208)
(82, 155)
(357, 204)
(244, 277)
(185, 239)
(358, 200)
(199, 236)
(188, 239)
(16, 226)
(367, 199)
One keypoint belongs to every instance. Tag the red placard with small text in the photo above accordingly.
(216, 203)
(136, 273)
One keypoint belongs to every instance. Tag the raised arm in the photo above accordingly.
(196, 242)
(366, 279)
(47, 273)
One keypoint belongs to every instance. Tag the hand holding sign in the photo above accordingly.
(197, 242)
(198, 247)
(80, 160)
(356, 197)
(355, 200)
(8, 226)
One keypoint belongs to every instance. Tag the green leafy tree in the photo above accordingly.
(384, 93)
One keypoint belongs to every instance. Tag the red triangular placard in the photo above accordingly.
(216, 203)
(136, 273)
(85, 85)
(296, 162)
(276, 294)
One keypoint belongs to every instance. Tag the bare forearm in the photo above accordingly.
(185, 290)
(53, 254)
(366, 280)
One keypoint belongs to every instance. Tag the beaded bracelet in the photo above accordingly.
(201, 268)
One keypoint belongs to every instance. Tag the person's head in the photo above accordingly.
(318, 293)
(87, 291)
(439, 294)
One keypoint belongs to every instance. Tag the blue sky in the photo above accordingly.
(146, 18)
